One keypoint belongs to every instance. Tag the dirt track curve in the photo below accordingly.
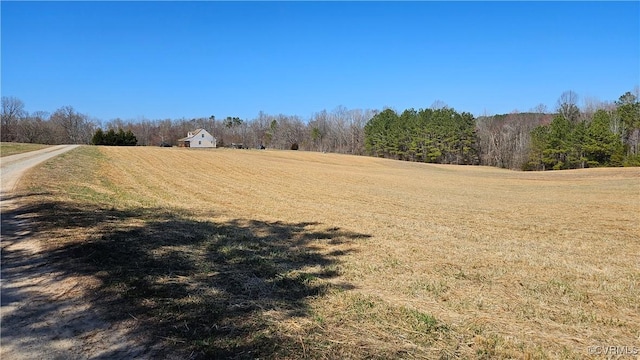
(15, 165)
(43, 315)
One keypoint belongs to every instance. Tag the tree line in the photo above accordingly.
(340, 130)
(113, 138)
(433, 135)
(598, 134)
(608, 137)
(64, 126)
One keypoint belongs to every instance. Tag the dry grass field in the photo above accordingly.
(284, 254)
(9, 148)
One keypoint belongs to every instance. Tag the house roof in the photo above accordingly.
(194, 134)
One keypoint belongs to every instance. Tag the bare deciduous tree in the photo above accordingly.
(72, 127)
(567, 106)
(36, 128)
(438, 104)
(12, 112)
(505, 139)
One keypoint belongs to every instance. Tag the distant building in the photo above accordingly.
(199, 138)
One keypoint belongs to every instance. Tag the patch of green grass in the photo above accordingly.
(435, 288)
(381, 326)
(421, 321)
(362, 306)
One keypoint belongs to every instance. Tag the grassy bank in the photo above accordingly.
(9, 148)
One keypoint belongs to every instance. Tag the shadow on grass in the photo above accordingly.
(206, 289)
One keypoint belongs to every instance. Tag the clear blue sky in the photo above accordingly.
(193, 59)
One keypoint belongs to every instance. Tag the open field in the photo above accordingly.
(282, 254)
(9, 148)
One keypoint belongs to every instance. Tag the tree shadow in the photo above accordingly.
(186, 286)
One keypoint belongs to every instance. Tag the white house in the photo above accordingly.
(199, 138)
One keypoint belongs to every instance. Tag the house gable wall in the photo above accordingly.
(202, 139)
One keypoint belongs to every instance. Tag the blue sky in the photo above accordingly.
(162, 60)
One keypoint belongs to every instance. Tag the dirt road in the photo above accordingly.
(43, 315)
(15, 165)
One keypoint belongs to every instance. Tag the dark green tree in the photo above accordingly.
(130, 139)
(559, 143)
(113, 138)
(439, 136)
(576, 139)
(538, 156)
(98, 137)
(602, 147)
(378, 133)
(110, 137)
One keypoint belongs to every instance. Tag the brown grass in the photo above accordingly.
(9, 148)
(334, 256)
